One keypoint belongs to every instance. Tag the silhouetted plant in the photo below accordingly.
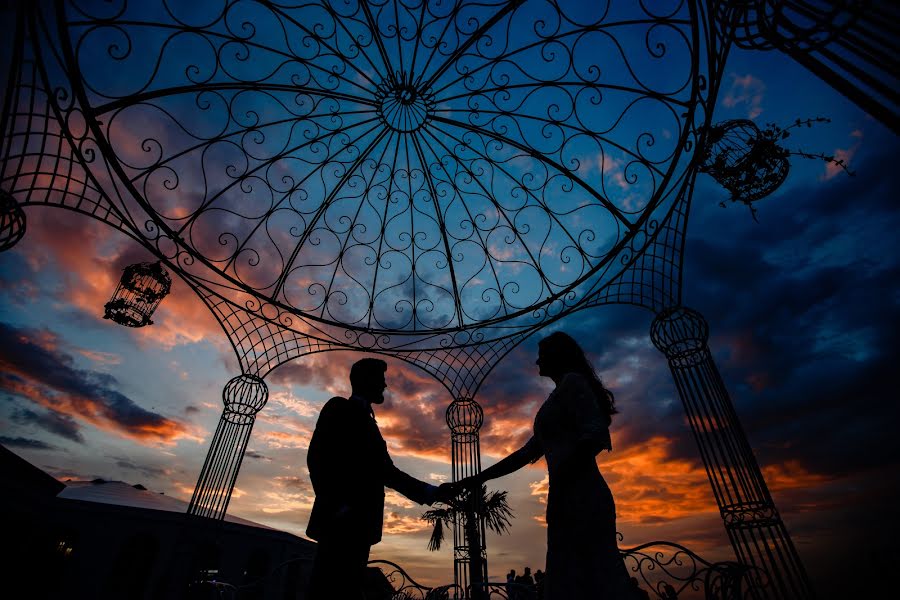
(493, 508)
(751, 163)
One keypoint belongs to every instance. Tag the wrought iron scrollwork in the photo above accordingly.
(406, 588)
(387, 166)
(671, 571)
(665, 569)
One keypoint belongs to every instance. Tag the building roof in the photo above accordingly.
(22, 477)
(124, 494)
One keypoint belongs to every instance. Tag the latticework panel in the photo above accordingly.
(463, 370)
(261, 345)
(653, 279)
(40, 162)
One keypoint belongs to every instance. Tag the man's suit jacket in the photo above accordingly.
(349, 467)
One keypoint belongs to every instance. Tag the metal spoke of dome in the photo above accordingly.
(144, 97)
(280, 108)
(555, 165)
(442, 228)
(505, 9)
(325, 204)
(531, 255)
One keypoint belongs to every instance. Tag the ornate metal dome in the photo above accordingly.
(402, 167)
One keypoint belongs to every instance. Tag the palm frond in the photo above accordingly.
(437, 514)
(497, 513)
(492, 507)
(437, 536)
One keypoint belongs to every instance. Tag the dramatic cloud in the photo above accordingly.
(35, 368)
(27, 443)
(87, 259)
(396, 523)
(50, 420)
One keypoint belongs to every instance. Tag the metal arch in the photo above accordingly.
(261, 346)
(42, 163)
(494, 133)
(651, 279)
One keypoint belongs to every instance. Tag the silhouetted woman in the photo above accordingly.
(570, 429)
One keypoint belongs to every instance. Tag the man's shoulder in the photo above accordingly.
(336, 404)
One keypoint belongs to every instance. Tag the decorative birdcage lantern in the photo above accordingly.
(12, 221)
(141, 289)
(747, 163)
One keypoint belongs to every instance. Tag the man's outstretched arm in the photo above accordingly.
(409, 486)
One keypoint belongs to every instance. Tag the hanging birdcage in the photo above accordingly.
(12, 221)
(141, 289)
(747, 163)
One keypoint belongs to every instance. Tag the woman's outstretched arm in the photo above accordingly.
(528, 453)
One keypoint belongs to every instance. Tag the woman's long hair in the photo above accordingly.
(566, 351)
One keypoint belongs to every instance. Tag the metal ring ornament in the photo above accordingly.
(679, 332)
(245, 395)
(402, 167)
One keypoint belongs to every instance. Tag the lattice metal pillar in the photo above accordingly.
(465, 417)
(849, 44)
(243, 396)
(756, 531)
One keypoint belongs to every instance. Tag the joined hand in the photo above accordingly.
(448, 491)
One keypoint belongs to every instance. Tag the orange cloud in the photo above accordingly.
(284, 439)
(90, 256)
(34, 367)
(791, 475)
(90, 410)
(842, 155)
(651, 485)
(396, 523)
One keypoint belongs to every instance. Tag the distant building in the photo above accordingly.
(107, 539)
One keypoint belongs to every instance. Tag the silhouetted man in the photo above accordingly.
(349, 467)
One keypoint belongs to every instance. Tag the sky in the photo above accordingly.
(804, 319)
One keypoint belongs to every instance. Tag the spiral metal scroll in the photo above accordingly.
(671, 570)
(399, 167)
(665, 569)
(406, 588)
